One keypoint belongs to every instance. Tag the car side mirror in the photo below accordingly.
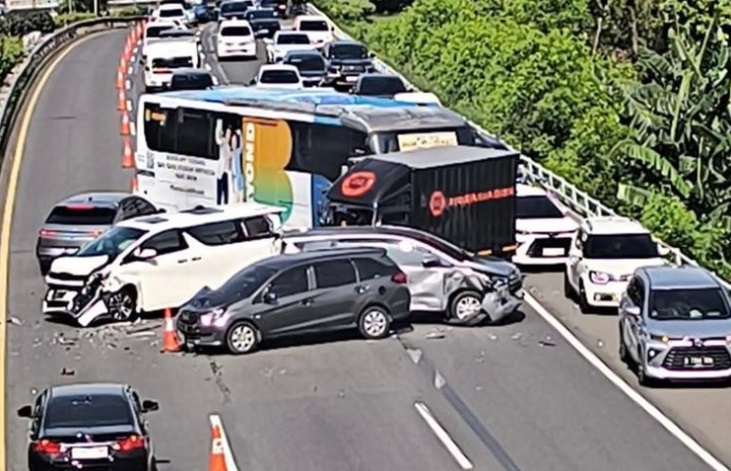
(252, 81)
(431, 262)
(145, 254)
(279, 60)
(150, 406)
(633, 311)
(26, 412)
(270, 298)
(372, 55)
(662, 250)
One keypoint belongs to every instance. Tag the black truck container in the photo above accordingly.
(463, 194)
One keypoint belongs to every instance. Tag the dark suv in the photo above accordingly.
(347, 60)
(304, 293)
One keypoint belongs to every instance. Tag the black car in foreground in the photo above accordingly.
(303, 293)
(89, 426)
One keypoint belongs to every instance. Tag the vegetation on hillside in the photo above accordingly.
(627, 99)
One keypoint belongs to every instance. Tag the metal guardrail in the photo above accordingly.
(35, 60)
(577, 200)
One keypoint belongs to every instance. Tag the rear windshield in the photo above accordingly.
(172, 63)
(293, 39)
(314, 25)
(349, 51)
(261, 14)
(171, 13)
(537, 207)
(235, 7)
(381, 86)
(236, 31)
(191, 82)
(308, 63)
(81, 216)
(279, 76)
(154, 31)
(89, 411)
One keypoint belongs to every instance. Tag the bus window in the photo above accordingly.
(324, 149)
(194, 134)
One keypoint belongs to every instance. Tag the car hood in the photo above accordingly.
(365, 62)
(546, 225)
(493, 266)
(76, 265)
(691, 328)
(622, 267)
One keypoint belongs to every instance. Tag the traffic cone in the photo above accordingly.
(140, 27)
(216, 460)
(133, 184)
(128, 159)
(124, 128)
(120, 80)
(169, 339)
(121, 101)
(123, 63)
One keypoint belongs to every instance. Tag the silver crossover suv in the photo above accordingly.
(675, 324)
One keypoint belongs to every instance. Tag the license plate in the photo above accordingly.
(89, 453)
(697, 362)
(553, 252)
(351, 79)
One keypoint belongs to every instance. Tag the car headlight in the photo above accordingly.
(659, 338)
(212, 317)
(600, 278)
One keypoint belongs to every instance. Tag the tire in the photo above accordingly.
(583, 303)
(568, 291)
(623, 353)
(242, 338)
(374, 323)
(461, 309)
(123, 305)
(642, 378)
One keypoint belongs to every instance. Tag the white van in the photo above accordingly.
(235, 38)
(156, 262)
(318, 28)
(170, 11)
(153, 31)
(163, 57)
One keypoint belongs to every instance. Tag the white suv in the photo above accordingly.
(603, 255)
(235, 39)
(155, 262)
(543, 228)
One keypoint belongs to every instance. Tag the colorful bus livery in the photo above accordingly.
(280, 147)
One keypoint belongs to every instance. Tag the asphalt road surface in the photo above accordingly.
(514, 398)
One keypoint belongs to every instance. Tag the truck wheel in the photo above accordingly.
(465, 308)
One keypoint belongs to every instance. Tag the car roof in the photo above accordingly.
(290, 32)
(200, 215)
(271, 67)
(82, 389)
(673, 277)
(191, 71)
(379, 75)
(303, 52)
(170, 6)
(286, 260)
(174, 45)
(311, 18)
(96, 198)
(346, 41)
(234, 22)
(527, 190)
(609, 225)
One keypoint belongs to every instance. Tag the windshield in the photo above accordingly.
(235, 7)
(242, 285)
(619, 246)
(171, 13)
(349, 51)
(112, 242)
(172, 63)
(293, 39)
(314, 25)
(191, 82)
(308, 63)
(81, 216)
(381, 86)
(537, 207)
(80, 412)
(279, 76)
(688, 304)
(154, 31)
(236, 31)
(261, 14)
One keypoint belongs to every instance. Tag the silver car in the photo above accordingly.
(441, 276)
(675, 324)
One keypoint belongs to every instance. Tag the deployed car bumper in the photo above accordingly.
(501, 303)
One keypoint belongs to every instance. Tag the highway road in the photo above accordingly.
(514, 398)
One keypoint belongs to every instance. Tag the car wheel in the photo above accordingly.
(374, 322)
(642, 377)
(583, 302)
(123, 305)
(465, 308)
(623, 353)
(242, 338)
(568, 291)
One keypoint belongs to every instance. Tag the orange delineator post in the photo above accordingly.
(133, 184)
(216, 459)
(121, 101)
(124, 128)
(128, 159)
(170, 342)
(120, 80)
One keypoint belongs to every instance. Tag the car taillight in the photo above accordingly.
(399, 278)
(47, 447)
(46, 233)
(133, 442)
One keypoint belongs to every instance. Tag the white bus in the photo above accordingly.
(275, 146)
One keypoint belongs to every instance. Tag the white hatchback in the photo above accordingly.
(278, 76)
(235, 39)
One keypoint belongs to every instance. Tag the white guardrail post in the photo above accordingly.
(538, 175)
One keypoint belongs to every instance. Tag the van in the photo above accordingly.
(317, 28)
(164, 57)
(153, 31)
(235, 38)
(170, 11)
(156, 262)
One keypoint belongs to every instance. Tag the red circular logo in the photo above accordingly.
(437, 203)
(357, 183)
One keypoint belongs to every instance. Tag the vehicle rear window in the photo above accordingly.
(81, 216)
(349, 51)
(307, 63)
(154, 31)
(537, 207)
(279, 76)
(261, 14)
(314, 25)
(370, 268)
(236, 31)
(87, 411)
(171, 13)
(293, 39)
(191, 82)
(235, 7)
(172, 62)
(381, 86)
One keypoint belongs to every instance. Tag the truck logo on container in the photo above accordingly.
(357, 184)
(437, 203)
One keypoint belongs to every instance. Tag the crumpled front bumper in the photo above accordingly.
(501, 303)
(82, 307)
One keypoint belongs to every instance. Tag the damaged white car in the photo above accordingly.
(156, 262)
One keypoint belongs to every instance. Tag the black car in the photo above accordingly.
(234, 9)
(81, 218)
(279, 5)
(191, 79)
(297, 294)
(264, 21)
(347, 60)
(311, 65)
(379, 85)
(89, 426)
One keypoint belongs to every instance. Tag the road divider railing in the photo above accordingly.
(35, 60)
(536, 174)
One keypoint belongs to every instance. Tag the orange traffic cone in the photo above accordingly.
(140, 25)
(128, 159)
(216, 460)
(123, 63)
(124, 128)
(133, 185)
(121, 101)
(120, 80)
(169, 339)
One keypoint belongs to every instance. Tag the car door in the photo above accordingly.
(35, 424)
(218, 243)
(291, 311)
(636, 297)
(335, 294)
(426, 272)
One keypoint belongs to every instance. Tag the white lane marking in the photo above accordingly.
(443, 436)
(130, 70)
(128, 85)
(635, 396)
(228, 455)
(132, 128)
(207, 66)
(129, 105)
(134, 51)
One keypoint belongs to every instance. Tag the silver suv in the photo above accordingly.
(675, 324)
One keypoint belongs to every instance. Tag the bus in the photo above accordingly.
(282, 147)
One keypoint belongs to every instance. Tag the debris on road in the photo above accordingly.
(516, 336)
(546, 343)
(435, 335)
(67, 372)
(15, 321)
(492, 336)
